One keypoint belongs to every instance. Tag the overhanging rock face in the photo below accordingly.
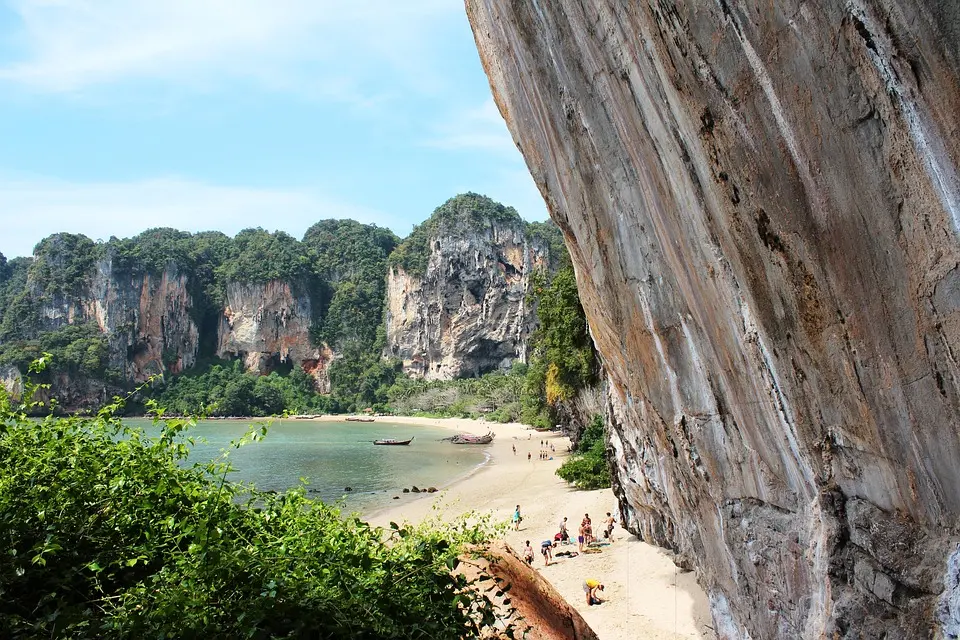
(763, 207)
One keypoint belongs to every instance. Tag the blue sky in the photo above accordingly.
(121, 115)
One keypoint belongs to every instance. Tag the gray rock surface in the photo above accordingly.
(149, 326)
(762, 205)
(468, 313)
(268, 323)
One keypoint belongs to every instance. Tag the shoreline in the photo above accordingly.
(648, 597)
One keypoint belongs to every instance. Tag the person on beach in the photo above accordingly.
(529, 456)
(608, 533)
(528, 553)
(546, 549)
(581, 538)
(587, 525)
(517, 518)
(590, 588)
(514, 449)
(563, 528)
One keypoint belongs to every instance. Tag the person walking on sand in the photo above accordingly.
(528, 553)
(517, 518)
(590, 588)
(608, 533)
(529, 456)
(514, 449)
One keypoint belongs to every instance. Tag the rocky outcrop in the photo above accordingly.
(146, 318)
(11, 380)
(524, 600)
(467, 314)
(268, 324)
(762, 205)
(575, 414)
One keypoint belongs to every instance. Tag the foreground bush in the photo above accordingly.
(107, 533)
(588, 468)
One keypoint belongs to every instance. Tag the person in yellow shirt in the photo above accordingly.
(590, 588)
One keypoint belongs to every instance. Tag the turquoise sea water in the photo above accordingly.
(335, 455)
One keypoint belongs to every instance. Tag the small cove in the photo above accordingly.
(334, 455)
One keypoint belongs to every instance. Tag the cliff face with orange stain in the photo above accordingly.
(148, 320)
(268, 324)
(762, 204)
(145, 317)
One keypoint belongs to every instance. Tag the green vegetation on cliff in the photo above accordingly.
(340, 265)
(62, 264)
(563, 358)
(109, 533)
(79, 349)
(351, 260)
(588, 467)
(465, 212)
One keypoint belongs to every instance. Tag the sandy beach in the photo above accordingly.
(647, 597)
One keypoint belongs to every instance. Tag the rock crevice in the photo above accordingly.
(468, 313)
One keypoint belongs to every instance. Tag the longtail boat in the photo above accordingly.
(392, 441)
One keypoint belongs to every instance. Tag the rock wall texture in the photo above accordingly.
(150, 327)
(145, 317)
(268, 324)
(762, 204)
(11, 380)
(468, 313)
(575, 414)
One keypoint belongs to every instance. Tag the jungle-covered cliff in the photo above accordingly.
(458, 290)
(263, 322)
(761, 202)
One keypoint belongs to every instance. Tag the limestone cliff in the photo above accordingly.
(762, 204)
(145, 317)
(266, 324)
(467, 312)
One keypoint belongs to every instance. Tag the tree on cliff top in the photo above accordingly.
(261, 256)
(346, 249)
(467, 212)
(549, 234)
(63, 263)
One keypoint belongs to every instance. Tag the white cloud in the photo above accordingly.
(335, 47)
(33, 208)
(477, 129)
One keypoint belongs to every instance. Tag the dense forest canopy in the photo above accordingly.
(339, 265)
